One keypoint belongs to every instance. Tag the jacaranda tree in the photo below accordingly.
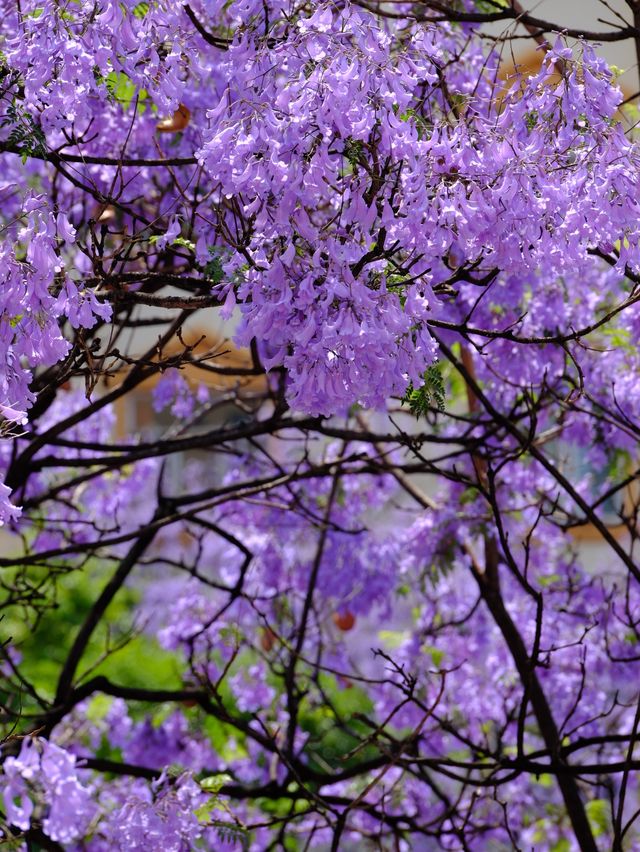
(368, 576)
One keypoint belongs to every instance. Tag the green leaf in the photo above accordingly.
(213, 270)
(215, 783)
(599, 813)
(203, 813)
(436, 654)
(232, 834)
(123, 90)
(25, 133)
(140, 10)
(393, 639)
(431, 393)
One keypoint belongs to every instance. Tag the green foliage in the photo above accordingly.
(336, 726)
(118, 648)
(213, 268)
(422, 126)
(353, 151)
(392, 639)
(531, 119)
(122, 90)
(599, 815)
(178, 241)
(10, 843)
(214, 783)
(618, 338)
(232, 835)
(431, 393)
(181, 241)
(140, 10)
(488, 7)
(25, 135)
(228, 832)
(437, 655)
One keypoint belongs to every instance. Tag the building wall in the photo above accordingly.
(590, 15)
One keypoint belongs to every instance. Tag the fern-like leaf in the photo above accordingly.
(431, 393)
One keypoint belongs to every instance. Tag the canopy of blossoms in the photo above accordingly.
(331, 592)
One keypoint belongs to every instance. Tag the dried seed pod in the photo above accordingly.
(267, 639)
(107, 214)
(344, 620)
(177, 122)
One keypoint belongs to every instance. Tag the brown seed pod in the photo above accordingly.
(344, 620)
(177, 122)
(106, 214)
(267, 639)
